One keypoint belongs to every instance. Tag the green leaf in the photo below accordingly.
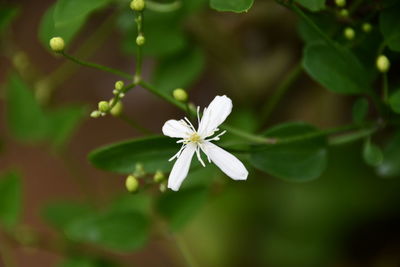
(121, 231)
(179, 207)
(372, 154)
(62, 123)
(394, 101)
(179, 71)
(360, 110)
(324, 21)
(299, 161)
(26, 119)
(389, 22)
(138, 202)
(7, 14)
(335, 68)
(313, 5)
(67, 11)
(152, 152)
(48, 29)
(10, 199)
(237, 6)
(390, 167)
(61, 213)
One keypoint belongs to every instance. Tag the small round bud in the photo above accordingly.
(131, 183)
(139, 170)
(382, 63)
(158, 177)
(121, 95)
(137, 5)
(349, 33)
(115, 92)
(180, 95)
(366, 27)
(95, 114)
(163, 187)
(140, 40)
(119, 85)
(340, 3)
(344, 13)
(117, 109)
(137, 79)
(57, 44)
(103, 106)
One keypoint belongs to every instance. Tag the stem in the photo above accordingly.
(96, 66)
(347, 138)
(184, 251)
(139, 23)
(278, 94)
(167, 98)
(248, 136)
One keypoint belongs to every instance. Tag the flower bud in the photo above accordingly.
(382, 63)
(349, 33)
(131, 183)
(163, 187)
(344, 13)
(103, 106)
(139, 169)
(158, 177)
(57, 44)
(119, 85)
(140, 40)
(180, 95)
(366, 27)
(138, 5)
(117, 109)
(95, 114)
(340, 3)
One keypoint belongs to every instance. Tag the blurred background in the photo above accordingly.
(347, 217)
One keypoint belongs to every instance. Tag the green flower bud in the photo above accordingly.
(366, 27)
(138, 5)
(158, 177)
(119, 85)
(131, 183)
(103, 106)
(117, 109)
(382, 63)
(163, 187)
(340, 3)
(95, 114)
(139, 169)
(344, 13)
(140, 40)
(57, 44)
(180, 95)
(349, 33)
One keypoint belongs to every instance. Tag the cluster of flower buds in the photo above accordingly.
(114, 106)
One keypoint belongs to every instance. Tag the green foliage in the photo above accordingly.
(179, 207)
(298, 161)
(61, 213)
(389, 22)
(10, 199)
(394, 101)
(372, 154)
(48, 29)
(360, 110)
(336, 68)
(313, 5)
(81, 261)
(237, 6)
(390, 167)
(180, 70)
(152, 152)
(29, 122)
(121, 231)
(7, 14)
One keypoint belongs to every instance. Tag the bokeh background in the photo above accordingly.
(348, 217)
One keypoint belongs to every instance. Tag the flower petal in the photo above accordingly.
(176, 129)
(181, 167)
(215, 114)
(227, 162)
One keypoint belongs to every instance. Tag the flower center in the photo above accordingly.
(194, 138)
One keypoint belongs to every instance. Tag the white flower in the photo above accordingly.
(193, 141)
